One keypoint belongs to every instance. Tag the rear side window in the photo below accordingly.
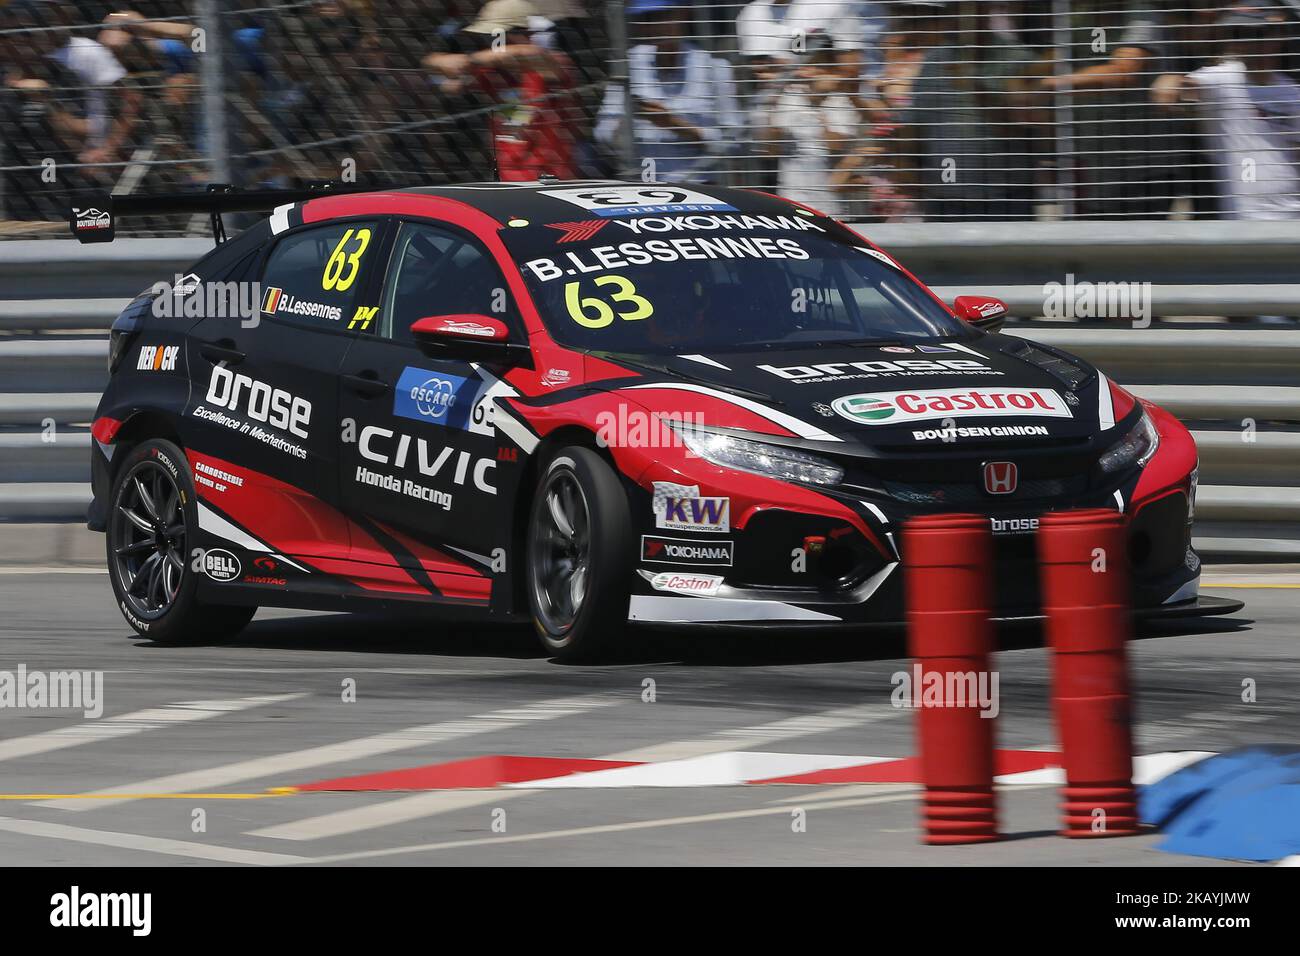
(315, 277)
(439, 272)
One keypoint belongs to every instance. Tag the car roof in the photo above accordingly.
(535, 200)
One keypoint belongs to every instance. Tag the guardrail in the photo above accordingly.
(1237, 387)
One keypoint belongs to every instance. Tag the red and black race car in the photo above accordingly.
(591, 403)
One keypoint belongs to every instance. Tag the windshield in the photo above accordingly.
(718, 283)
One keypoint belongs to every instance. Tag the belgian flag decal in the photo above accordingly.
(272, 300)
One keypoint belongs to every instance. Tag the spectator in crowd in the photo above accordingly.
(772, 30)
(814, 120)
(573, 30)
(772, 34)
(683, 108)
(960, 167)
(1250, 108)
(109, 109)
(1125, 153)
(533, 123)
(40, 118)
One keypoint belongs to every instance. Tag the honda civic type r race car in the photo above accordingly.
(592, 403)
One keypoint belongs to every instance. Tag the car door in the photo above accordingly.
(265, 392)
(420, 475)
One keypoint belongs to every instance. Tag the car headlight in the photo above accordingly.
(759, 457)
(1135, 448)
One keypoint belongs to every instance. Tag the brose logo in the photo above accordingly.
(888, 408)
(1014, 525)
(274, 406)
(880, 367)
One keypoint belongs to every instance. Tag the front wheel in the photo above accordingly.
(579, 555)
(152, 523)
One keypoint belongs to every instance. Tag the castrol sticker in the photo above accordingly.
(896, 408)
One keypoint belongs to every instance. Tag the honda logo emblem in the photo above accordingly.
(1000, 477)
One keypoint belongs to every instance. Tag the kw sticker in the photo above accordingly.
(683, 508)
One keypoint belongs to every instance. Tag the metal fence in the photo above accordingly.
(877, 111)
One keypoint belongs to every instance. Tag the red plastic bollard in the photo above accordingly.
(1083, 568)
(948, 574)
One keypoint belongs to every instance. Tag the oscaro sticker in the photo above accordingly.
(220, 565)
(434, 397)
(890, 408)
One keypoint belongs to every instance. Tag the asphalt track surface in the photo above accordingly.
(94, 792)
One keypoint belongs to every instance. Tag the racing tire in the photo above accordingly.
(152, 524)
(579, 553)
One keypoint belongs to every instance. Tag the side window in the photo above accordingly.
(315, 277)
(438, 272)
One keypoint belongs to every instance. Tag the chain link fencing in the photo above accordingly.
(925, 111)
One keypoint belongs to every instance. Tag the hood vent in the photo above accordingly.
(1065, 370)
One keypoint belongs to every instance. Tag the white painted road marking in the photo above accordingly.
(133, 841)
(124, 725)
(727, 769)
(417, 806)
(213, 778)
(606, 828)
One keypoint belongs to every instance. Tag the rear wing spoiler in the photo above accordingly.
(95, 220)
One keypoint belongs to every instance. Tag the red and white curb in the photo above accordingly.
(726, 769)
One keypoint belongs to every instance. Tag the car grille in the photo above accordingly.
(952, 492)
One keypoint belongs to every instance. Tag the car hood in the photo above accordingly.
(884, 394)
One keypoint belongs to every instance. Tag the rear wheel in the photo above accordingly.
(152, 523)
(579, 556)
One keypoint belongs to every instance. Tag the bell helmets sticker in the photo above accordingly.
(896, 408)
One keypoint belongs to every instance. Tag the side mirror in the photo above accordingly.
(981, 311)
(470, 338)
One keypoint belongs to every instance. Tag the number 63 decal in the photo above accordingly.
(594, 312)
(335, 279)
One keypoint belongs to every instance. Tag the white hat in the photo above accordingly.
(503, 15)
